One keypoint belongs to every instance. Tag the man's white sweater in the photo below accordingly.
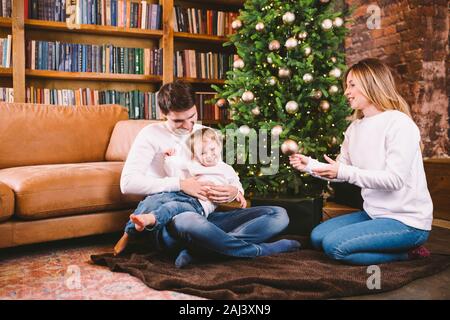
(143, 172)
(381, 154)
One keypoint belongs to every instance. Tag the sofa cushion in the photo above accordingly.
(64, 189)
(6, 202)
(123, 137)
(47, 134)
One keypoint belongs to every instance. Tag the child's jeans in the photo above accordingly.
(164, 205)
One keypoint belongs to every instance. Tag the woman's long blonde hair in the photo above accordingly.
(377, 84)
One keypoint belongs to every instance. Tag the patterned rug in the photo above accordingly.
(64, 270)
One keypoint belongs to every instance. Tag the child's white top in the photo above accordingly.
(220, 174)
(381, 154)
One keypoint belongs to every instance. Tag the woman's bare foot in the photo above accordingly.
(121, 244)
(143, 220)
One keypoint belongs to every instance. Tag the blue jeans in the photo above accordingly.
(232, 233)
(357, 239)
(164, 205)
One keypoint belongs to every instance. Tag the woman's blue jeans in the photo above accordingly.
(358, 239)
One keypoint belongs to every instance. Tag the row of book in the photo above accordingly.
(118, 13)
(207, 110)
(5, 8)
(140, 105)
(203, 21)
(45, 55)
(209, 65)
(5, 52)
(6, 95)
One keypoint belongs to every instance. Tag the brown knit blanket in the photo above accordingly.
(305, 274)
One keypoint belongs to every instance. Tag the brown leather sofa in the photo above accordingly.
(60, 169)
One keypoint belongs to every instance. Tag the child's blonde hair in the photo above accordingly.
(377, 84)
(195, 141)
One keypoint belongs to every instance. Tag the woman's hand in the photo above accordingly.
(241, 199)
(222, 193)
(298, 161)
(328, 171)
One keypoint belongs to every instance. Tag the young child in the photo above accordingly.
(206, 164)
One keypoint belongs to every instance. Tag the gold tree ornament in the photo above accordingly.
(327, 24)
(291, 107)
(291, 43)
(274, 45)
(324, 105)
(277, 130)
(288, 18)
(221, 103)
(248, 96)
(284, 73)
(259, 26)
(307, 77)
(236, 24)
(289, 147)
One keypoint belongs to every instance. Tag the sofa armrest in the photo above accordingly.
(123, 137)
(6, 202)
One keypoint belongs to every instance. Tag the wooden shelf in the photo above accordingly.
(214, 122)
(50, 74)
(5, 72)
(5, 22)
(203, 81)
(93, 29)
(199, 37)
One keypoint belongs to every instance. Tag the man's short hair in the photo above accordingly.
(176, 96)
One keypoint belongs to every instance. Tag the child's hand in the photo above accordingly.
(169, 152)
(241, 199)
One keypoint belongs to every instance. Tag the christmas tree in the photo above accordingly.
(286, 79)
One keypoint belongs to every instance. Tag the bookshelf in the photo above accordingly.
(23, 29)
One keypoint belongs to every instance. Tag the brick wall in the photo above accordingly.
(413, 40)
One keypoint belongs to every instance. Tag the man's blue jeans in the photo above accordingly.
(357, 239)
(233, 233)
(164, 205)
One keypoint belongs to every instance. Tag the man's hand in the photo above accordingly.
(222, 194)
(241, 199)
(328, 171)
(298, 161)
(195, 188)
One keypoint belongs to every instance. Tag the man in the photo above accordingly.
(239, 233)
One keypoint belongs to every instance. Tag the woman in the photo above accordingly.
(381, 154)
